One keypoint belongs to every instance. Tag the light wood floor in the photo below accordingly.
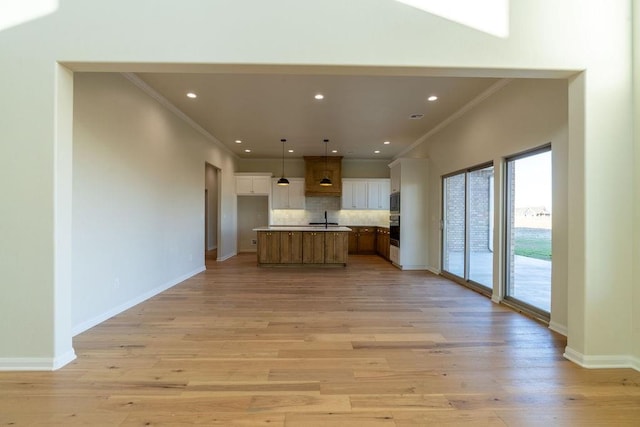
(366, 345)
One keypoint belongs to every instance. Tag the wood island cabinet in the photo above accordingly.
(269, 247)
(290, 247)
(313, 247)
(336, 247)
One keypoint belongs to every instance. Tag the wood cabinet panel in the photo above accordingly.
(336, 248)
(268, 247)
(382, 242)
(362, 240)
(313, 247)
(367, 240)
(290, 247)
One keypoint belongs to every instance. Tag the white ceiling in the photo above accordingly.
(358, 113)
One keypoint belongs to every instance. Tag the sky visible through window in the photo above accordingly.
(533, 181)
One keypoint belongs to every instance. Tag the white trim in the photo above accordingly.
(462, 111)
(561, 329)
(601, 362)
(414, 267)
(36, 363)
(212, 247)
(226, 257)
(88, 324)
(435, 271)
(175, 110)
(497, 299)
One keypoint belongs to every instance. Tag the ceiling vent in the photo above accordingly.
(416, 116)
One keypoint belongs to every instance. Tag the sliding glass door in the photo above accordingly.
(454, 233)
(528, 230)
(467, 246)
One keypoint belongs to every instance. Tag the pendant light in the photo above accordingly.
(325, 182)
(283, 181)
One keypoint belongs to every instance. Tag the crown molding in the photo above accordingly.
(461, 112)
(137, 81)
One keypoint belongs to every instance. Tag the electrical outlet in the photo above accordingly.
(254, 242)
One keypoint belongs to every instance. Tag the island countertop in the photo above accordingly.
(302, 228)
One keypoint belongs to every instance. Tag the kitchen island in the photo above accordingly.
(303, 245)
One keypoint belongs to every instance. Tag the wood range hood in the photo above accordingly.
(316, 168)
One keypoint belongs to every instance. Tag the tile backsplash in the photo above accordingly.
(314, 212)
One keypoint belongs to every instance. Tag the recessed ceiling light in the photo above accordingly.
(319, 96)
(247, 151)
(334, 151)
(387, 142)
(291, 151)
(238, 141)
(377, 152)
(432, 98)
(191, 95)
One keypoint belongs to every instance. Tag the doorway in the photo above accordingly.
(211, 213)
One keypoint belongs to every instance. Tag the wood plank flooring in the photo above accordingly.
(365, 345)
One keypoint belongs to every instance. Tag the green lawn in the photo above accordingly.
(533, 243)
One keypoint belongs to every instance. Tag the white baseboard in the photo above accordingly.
(36, 363)
(561, 329)
(212, 247)
(226, 257)
(88, 324)
(602, 362)
(496, 299)
(435, 271)
(414, 267)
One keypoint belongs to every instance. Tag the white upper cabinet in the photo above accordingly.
(288, 196)
(253, 184)
(354, 194)
(365, 194)
(378, 194)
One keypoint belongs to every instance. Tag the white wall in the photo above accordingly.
(636, 170)
(138, 198)
(524, 114)
(586, 40)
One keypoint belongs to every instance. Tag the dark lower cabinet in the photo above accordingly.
(382, 242)
(362, 240)
(369, 240)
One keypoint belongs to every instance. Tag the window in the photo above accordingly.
(528, 230)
